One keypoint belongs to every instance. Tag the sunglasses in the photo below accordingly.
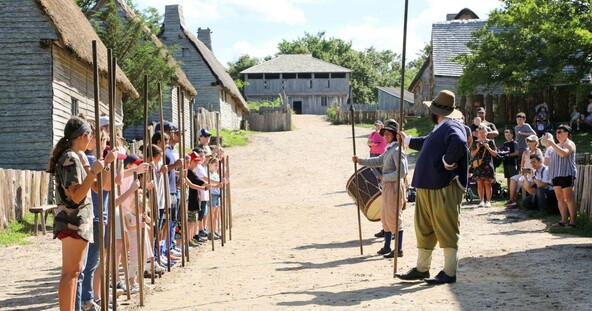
(559, 131)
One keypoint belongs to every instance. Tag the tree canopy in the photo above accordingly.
(136, 54)
(530, 44)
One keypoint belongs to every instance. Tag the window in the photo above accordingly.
(283, 84)
(328, 83)
(322, 75)
(304, 75)
(74, 106)
(289, 76)
(265, 84)
(272, 76)
(324, 101)
(255, 76)
(310, 84)
(338, 75)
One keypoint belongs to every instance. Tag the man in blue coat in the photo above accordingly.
(440, 178)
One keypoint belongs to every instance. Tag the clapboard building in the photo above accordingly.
(179, 83)
(309, 84)
(46, 65)
(389, 98)
(217, 91)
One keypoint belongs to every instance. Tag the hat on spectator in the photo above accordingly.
(168, 126)
(194, 156)
(564, 127)
(204, 133)
(444, 105)
(389, 127)
(104, 121)
(532, 138)
(132, 159)
(378, 122)
(481, 109)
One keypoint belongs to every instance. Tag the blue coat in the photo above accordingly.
(449, 140)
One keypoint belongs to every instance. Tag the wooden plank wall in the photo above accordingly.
(583, 189)
(368, 117)
(21, 190)
(270, 120)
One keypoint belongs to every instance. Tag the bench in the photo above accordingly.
(43, 210)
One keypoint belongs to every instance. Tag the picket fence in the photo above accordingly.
(21, 190)
(270, 119)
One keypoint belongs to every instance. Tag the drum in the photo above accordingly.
(366, 186)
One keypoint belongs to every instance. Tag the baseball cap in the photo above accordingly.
(378, 122)
(204, 132)
(480, 109)
(132, 159)
(168, 126)
(532, 138)
(104, 121)
(194, 156)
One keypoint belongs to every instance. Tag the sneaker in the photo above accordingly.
(194, 242)
(488, 204)
(135, 288)
(217, 235)
(202, 234)
(120, 285)
(379, 234)
(481, 204)
(159, 268)
(91, 307)
(175, 253)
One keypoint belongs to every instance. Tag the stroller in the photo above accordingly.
(542, 122)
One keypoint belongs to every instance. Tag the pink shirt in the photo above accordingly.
(376, 138)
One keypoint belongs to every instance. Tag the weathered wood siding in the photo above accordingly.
(388, 101)
(270, 87)
(231, 114)
(21, 190)
(25, 86)
(73, 79)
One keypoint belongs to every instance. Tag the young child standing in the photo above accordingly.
(216, 185)
(193, 205)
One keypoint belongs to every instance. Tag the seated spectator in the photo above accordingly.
(575, 117)
(517, 180)
(538, 186)
(588, 119)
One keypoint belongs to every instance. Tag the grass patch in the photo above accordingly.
(17, 231)
(583, 225)
(235, 138)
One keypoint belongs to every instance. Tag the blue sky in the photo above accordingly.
(255, 27)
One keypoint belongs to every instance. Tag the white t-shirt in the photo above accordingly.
(202, 173)
(159, 187)
(590, 108)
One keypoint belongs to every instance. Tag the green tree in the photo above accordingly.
(137, 56)
(234, 68)
(413, 67)
(529, 45)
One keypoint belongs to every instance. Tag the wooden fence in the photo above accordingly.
(21, 190)
(270, 119)
(583, 189)
(368, 117)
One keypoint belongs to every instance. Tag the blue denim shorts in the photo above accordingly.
(215, 200)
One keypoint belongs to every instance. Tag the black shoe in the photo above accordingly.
(413, 274)
(400, 254)
(383, 251)
(379, 234)
(390, 255)
(441, 278)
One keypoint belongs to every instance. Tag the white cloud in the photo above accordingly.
(259, 50)
(278, 11)
(203, 11)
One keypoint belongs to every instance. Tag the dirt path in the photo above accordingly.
(295, 246)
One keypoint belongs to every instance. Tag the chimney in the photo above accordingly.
(173, 17)
(204, 35)
(450, 16)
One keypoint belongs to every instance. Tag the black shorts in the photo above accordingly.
(563, 181)
(510, 170)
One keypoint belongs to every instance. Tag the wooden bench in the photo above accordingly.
(44, 211)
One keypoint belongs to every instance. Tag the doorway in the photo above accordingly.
(297, 106)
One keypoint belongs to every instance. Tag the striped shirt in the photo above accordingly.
(562, 166)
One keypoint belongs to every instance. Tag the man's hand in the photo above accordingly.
(355, 159)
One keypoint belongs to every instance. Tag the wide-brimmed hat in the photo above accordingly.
(532, 138)
(444, 105)
(389, 127)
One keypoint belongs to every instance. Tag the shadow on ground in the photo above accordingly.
(35, 294)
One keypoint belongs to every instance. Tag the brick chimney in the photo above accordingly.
(173, 17)
(204, 35)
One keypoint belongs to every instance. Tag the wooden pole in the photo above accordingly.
(356, 178)
(99, 155)
(222, 214)
(183, 184)
(181, 178)
(401, 120)
(167, 205)
(111, 223)
(210, 216)
(229, 198)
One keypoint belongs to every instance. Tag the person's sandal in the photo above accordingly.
(570, 226)
(558, 225)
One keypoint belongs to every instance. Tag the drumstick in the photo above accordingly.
(398, 210)
(351, 109)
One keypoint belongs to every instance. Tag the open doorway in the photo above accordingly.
(297, 106)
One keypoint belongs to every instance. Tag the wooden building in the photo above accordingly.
(217, 91)
(309, 84)
(389, 98)
(46, 65)
(180, 81)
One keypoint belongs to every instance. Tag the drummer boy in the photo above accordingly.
(389, 161)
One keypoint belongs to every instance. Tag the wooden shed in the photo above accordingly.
(46, 65)
(389, 98)
(217, 91)
(309, 84)
(180, 81)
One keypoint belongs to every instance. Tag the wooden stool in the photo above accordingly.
(43, 210)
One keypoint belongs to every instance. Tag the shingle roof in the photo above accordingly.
(395, 91)
(180, 76)
(294, 63)
(216, 68)
(449, 39)
(77, 34)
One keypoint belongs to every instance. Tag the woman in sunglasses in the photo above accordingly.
(562, 173)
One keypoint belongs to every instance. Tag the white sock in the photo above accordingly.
(424, 259)
(450, 261)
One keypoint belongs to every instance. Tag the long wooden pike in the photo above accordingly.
(183, 184)
(114, 264)
(181, 179)
(115, 145)
(400, 143)
(99, 155)
(353, 127)
(229, 199)
(210, 216)
(221, 219)
(167, 205)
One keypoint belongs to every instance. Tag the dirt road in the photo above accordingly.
(295, 247)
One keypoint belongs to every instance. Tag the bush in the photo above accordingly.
(332, 114)
(255, 106)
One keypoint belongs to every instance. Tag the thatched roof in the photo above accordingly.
(180, 76)
(76, 34)
(216, 68)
